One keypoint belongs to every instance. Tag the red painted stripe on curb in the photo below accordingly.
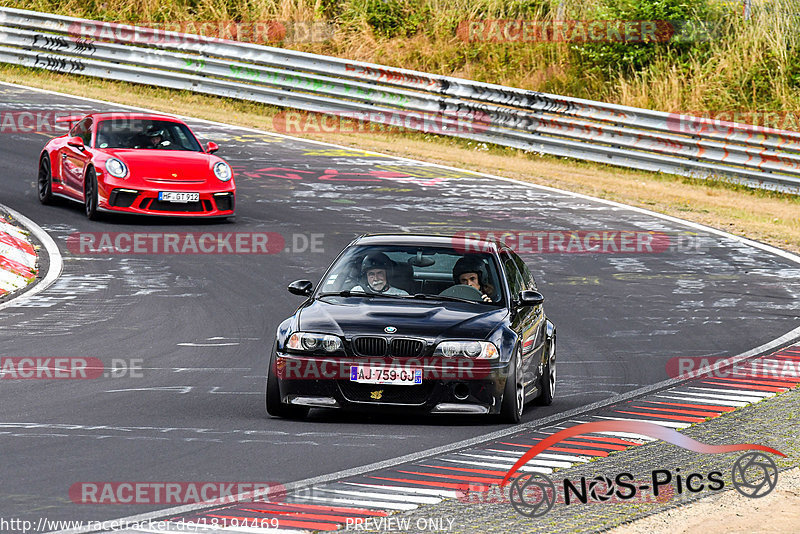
(16, 268)
(440, 485)
(668, 417)
(748, 386)
(560, 449)
(454, 477)
(16, 242)
(675, 410)
(611, 440)
(721, 409)
(304, 515)
(466, 469)
(762, 382)
(322, 508)
(608, 446)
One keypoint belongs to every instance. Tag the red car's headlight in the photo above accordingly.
(116, 168)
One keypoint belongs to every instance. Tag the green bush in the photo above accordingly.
(689, 26)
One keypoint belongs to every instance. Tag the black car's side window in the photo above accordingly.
(528, 280)
(515, 281)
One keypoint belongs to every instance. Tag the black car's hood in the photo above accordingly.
(413, 318)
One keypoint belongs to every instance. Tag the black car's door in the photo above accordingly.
(527, 322)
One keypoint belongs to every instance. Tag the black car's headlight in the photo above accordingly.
(308, 342)
(483, 350)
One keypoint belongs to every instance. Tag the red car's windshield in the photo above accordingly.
(145, 134)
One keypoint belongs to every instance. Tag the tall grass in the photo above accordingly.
(737, 65)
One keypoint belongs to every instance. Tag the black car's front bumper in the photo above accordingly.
(446, 387)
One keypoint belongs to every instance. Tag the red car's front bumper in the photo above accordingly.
(145, 202)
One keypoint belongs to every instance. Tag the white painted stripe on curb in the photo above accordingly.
(734, 398)
(390, 496)
(669, 424)
(527, 468)
(18, 255)
(368, 504)
(404, 489)
(705, 400)
(512, 461)
(744, 393)
(56, 262)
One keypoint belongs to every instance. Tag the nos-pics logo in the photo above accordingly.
(754, 474)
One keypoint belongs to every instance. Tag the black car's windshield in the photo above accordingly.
(145, 134)
(421, 272)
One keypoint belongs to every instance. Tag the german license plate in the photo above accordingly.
(375, 374)
(168, 196)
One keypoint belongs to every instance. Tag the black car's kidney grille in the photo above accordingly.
(386, 394)
(369, 346)
(406, 348)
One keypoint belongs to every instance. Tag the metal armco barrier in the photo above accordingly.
(527, 120)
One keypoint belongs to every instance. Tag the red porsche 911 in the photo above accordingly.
(136, 163)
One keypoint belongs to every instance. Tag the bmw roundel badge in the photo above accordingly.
(390, 330)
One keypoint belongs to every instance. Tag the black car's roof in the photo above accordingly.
(459, 241)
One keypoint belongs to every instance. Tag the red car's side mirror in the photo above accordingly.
(77, 142)
(212, 147)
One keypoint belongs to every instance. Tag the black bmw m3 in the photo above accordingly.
(433, 324)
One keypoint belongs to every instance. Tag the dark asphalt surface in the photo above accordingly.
(202, 325)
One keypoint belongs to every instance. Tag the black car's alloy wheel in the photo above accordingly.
(549, 375)
(274, 406)
(45, 182)
(514, 392)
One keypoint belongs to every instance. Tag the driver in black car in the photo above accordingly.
(471, 271)
(375, 269)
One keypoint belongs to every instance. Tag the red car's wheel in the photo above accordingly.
(45, 182)
(90, 194)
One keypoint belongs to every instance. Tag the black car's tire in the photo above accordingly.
(90, 195)
(514, 392)
(274, 406)
(549, 375)
(45, 181)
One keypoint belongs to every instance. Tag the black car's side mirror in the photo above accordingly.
(529, 298)
(301, 287)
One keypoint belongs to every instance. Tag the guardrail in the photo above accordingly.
(528, 120)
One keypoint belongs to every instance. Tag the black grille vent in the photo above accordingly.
(122, 199)
(369, 346)
(386, 394)
(406, 348)
(224, 202)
